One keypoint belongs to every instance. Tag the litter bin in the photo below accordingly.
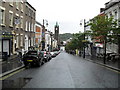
(5, 56)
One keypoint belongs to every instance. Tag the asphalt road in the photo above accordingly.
(64, 71)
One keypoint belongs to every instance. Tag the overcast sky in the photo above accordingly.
(68, 13)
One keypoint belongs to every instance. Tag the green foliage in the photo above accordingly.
(76, 42)
(104, 26)
(65, 36)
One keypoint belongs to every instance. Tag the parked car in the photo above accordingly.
(49, 56)
(56, 52)
(32, 57)
(45, 56)
(53, 54)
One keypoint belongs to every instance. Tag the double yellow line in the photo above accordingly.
(6, 76)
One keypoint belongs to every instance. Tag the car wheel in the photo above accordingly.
(42, 62)
(26, 64)
(38, 64)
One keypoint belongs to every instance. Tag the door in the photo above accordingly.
(6, 46)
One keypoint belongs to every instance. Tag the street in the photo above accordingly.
(64, 71)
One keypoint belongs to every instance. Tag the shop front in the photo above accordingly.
(6, 43)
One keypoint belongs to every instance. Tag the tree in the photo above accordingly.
(103, 27)
(77, 42)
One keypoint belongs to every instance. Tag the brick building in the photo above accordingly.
(17, 24)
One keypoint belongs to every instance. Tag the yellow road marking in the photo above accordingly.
(2, 78)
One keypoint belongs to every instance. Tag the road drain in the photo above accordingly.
(17, 83)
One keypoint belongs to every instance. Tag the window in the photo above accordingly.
(17, 4)
(22, 1)
(21, 21)
(29, 26)
(4, 0)
(17, 40)
(115, 15)
(111, 14)
(29, 12)
(11, 18)
(21, 43)
(2, 16)
(26, 12)
(11, 3)
(17, 21)
(26, 27)
(32, 27)
(21, 6)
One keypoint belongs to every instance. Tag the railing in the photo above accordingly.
(109, 56)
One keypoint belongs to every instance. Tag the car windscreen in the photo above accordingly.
(32, 53)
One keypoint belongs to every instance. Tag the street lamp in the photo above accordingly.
(45, 23)
(51, 34)
(84, 39)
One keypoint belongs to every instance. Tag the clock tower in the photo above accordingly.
(56, 36)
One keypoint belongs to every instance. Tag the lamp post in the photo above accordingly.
(119, 41)
(84, 39)
(43, 33)
(51, 34)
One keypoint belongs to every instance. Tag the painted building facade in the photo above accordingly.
(38, 35)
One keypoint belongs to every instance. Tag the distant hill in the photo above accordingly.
(65, 36)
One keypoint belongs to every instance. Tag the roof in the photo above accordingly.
(39, 23)
(30, 6)
(111, 3)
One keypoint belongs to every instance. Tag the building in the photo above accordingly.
(48, 40)
(56, 34)
(95, 44)
(112, 8)
(38, 35)
(30, 16)
(88, 38)
(16, 26)
(54, 44)
(12, 26)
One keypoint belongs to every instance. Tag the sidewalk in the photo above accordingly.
(11, 64)
(100, 60)
(110, 64)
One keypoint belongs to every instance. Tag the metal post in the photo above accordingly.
(43, 36)
(51, 41)
(84, 42)
(104, 61)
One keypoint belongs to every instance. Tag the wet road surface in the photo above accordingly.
(64, 71)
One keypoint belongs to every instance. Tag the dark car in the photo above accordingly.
(32, 57)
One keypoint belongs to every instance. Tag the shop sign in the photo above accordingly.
(8, 36)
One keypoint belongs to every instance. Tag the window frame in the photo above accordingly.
(17, 25)
(3, 16)
(17, 5)
(11, 20)
(21, 6)
(11, 3)
(21, 21)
